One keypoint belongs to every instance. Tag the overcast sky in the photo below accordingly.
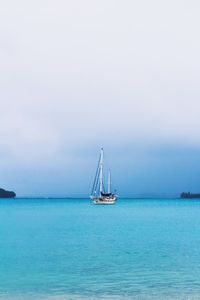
(76, 75)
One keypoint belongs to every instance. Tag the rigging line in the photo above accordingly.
(97, 179)
(97, 187)
(97, 173)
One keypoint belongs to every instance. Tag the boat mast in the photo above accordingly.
(101, 172)
(109, 182)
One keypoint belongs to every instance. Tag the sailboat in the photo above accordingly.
(99, 195)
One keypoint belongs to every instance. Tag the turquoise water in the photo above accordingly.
(71, 249)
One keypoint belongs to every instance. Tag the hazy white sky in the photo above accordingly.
(75, 75)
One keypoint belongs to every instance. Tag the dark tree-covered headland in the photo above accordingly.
(6, 194)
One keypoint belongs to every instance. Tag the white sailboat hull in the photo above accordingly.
(104, 200)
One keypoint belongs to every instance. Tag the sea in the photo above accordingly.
(70, 249)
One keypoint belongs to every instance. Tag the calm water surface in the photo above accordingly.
(71, 249)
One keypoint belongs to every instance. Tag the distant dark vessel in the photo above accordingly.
(6, 194)
(190, 196)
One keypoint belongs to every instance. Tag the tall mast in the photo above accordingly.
(109, 182)
(101, 172)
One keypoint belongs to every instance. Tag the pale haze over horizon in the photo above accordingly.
(78, 75)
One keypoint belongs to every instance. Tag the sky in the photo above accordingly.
(78, 75)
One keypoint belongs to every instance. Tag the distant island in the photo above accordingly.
(190, 196)
(6, 194)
